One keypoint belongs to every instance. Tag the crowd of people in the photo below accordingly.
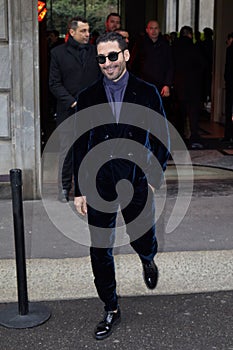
(179, 65)
(169, 75)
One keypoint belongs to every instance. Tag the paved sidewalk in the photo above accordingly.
(196, 257)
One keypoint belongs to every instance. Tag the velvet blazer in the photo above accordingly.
(142, 119)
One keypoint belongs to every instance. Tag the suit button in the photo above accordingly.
(106, 137)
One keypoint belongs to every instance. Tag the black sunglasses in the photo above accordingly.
(112, 56)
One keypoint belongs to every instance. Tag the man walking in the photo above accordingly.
(116, 91)
(73, 67)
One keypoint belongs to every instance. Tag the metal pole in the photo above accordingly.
(17, 207)
(25, 315)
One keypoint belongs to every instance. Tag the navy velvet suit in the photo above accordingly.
(123, 162)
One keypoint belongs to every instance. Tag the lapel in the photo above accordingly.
(131, 91)
(99, 97)
(130, 96)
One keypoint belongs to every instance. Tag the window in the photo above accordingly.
(183, 12)
(95, 11)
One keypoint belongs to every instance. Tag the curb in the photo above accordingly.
(71, 278)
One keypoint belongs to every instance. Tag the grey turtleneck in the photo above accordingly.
(115, 93)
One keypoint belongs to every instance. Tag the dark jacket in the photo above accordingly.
(68, 75)
(152, 61)
(135, 124)
(189, 66)
(228, 72)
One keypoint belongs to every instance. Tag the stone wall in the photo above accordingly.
(19, 93)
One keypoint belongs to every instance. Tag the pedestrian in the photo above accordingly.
(117, 85)
(228, 77)
(189, 67)
(207, 50)
(73, 67)
(151, 60)
(113, 22)
(54, 39)
(124, 33)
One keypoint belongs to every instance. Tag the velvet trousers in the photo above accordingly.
(139, 219)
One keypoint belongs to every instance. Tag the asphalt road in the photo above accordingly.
(179, 322)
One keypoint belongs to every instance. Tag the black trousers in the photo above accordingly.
(140, 228)
(228, 131)
(65, 165)
(190, 109)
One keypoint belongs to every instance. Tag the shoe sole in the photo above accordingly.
(107, 335)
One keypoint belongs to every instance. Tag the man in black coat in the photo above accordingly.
(151, 60)
(189, 66)
(73, 67)
(121, 112)
(228, 76)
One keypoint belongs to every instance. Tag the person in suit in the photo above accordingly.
(228, 77)
(73, 67)
(151, 60)
(113, 21)
(116, 92)
(189, 67)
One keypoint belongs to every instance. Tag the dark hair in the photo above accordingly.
(173, 34)
(230, 35)
(73, 23)
(208, 32)
(120, 29)
(115, 14)
(55, 32)
(112, 36)
(186, 30)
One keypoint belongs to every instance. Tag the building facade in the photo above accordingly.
(19, 92)
(20, 126)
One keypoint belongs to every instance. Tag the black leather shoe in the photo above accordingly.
(105, 327)
(150, 274)
(63, 196)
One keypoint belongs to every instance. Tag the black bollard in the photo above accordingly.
(25, 315)
(17, 208)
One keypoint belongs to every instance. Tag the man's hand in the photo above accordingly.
(165, 92)
(152, 188)
(80, 204)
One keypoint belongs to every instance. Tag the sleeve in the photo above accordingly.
(169, 67)
(79, 149)
(228, 71)
(56, 82)
(79, 152)
(159, 143)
